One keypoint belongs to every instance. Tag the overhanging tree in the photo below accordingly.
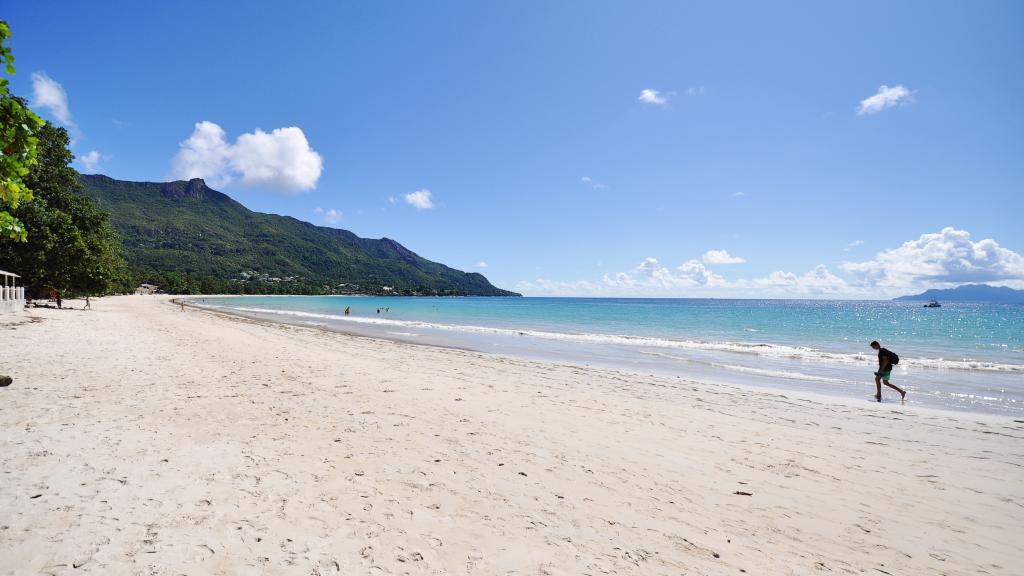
(18, 128)
(71, 246)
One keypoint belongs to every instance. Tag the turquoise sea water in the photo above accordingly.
(960, 357)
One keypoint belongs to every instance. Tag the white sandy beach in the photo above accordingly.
(138, 439)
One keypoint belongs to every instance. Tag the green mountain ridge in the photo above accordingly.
(187, 228)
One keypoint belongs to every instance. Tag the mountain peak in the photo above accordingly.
(195, 188)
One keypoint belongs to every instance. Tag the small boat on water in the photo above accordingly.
(933, 304)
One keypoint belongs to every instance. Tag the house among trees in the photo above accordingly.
(146, 289)
(12, 296)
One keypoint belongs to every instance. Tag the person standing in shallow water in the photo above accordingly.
(886, 360)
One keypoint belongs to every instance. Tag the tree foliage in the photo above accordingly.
(18, 129)
(72, 247)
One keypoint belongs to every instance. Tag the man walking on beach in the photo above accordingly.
(886, 360)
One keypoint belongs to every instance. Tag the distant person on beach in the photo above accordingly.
(346, 310)
(886, 360)
(60, 303)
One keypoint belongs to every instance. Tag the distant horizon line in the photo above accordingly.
(774, 299)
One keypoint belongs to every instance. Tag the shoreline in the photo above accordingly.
(146, 440)
(749, 347)
(755, 383)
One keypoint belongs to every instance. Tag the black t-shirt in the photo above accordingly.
(883, 353)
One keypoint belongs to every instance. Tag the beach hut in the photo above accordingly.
(12, 296)
(146, 289)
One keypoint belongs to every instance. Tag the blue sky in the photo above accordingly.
(764, 132)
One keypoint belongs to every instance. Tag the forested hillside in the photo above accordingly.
(187, 237)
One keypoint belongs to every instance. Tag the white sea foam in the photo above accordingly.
(758, 349)
(785, 374)
(788, 374)
(976, 397)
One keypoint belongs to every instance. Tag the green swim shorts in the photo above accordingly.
(885, 375)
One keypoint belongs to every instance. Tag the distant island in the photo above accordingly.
(969, 293)
(187, 238)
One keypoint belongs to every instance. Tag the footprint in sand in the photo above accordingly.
(330, 566)
(203, 552)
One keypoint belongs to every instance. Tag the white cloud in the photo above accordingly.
(739, 194)
(618, 279)
(49, 95)
(91, 161)
(481, 264)
(206, 154)
(332, 216)
(279, 161)
(542, 286)
(886, 97)
(693, 271)
(852, 245)
(943, 259)
(692, 279)
(947, 257)
(721, 257)
(695, 91)
(420, 199)
(392, 200)
(818, 281)
(593, 183)
(650, 274)
(648, 278)
(650, 96)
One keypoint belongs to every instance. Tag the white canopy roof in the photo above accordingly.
(5, 273)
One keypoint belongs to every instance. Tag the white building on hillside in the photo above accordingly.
(12, 296)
